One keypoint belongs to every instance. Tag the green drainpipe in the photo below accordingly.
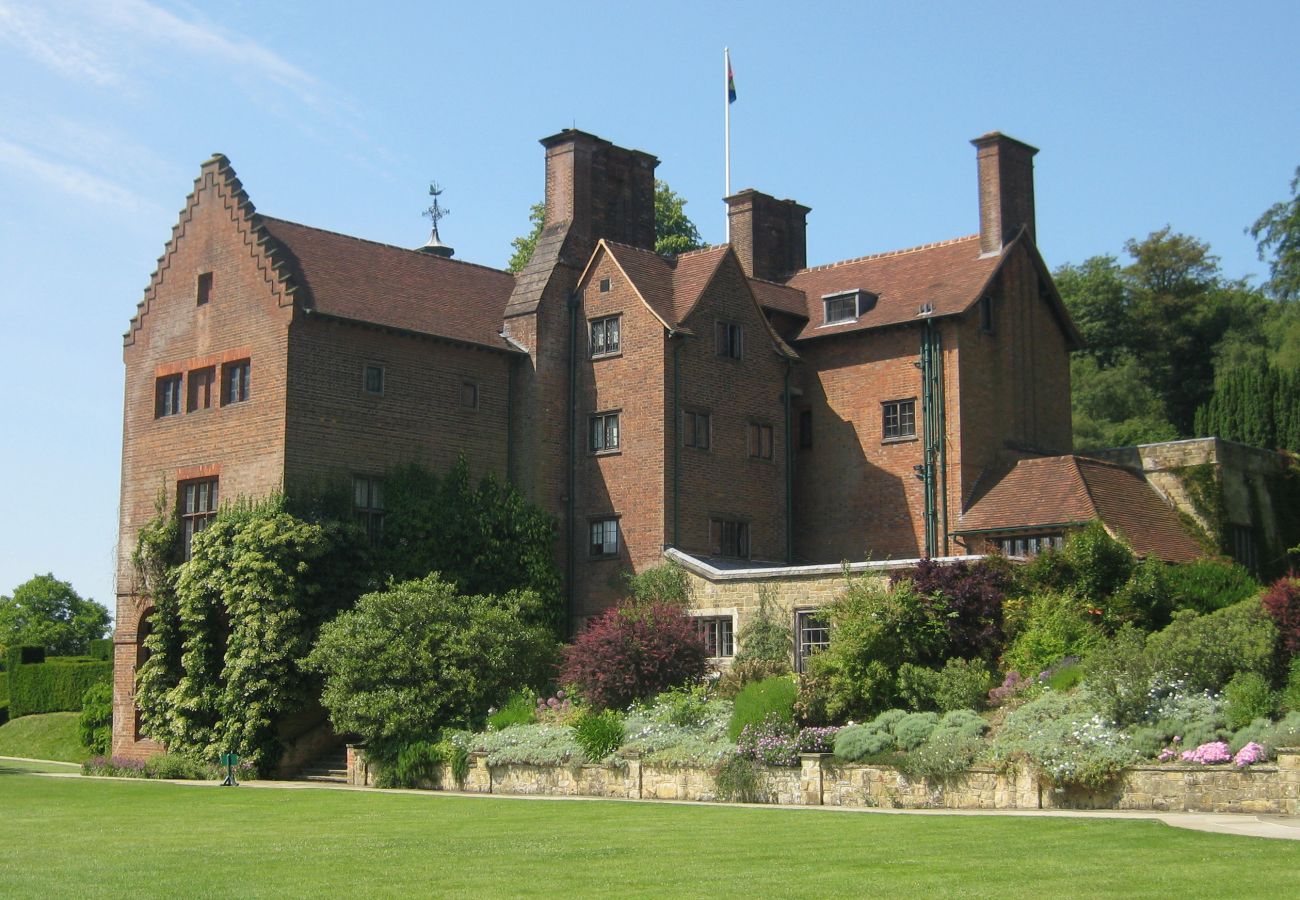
(571, 612)
(933, 469)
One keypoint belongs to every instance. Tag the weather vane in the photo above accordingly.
(435, 211)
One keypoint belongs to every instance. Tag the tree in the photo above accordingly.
(674, 231)
(419, 657)
(1115, 406)
(1277, 232)
(46, 612)
(1097, 297)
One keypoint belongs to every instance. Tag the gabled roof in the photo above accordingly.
(672, 287)
(949, 276)
(779, 297)
(1062, 491)
(379, 284)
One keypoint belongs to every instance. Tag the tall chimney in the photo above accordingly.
(601, 190)
(1006, 182)
(769, 236)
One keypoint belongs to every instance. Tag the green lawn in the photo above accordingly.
(74, 836)
(46, 736)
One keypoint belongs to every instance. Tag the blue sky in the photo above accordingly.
(339, 114)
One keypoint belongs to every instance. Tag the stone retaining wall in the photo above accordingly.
(821, 781)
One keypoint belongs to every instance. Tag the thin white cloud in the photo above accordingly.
(107, 43)
(71, 179)
(55, 42)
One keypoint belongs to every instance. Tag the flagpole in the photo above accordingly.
(726, 106)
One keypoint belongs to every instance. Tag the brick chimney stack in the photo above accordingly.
(770, 236)
(603, 191)
(1006, 183)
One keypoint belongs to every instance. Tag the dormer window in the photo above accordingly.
(847, 306)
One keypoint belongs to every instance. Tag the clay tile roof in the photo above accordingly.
(394, 287)
(779, 297)
(651, 274)
(691, 276)
(1072, 490)
(949, 276)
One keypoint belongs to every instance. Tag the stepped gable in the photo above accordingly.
(379, 284)
(218, 174)
(1063, 491)
(950, 276)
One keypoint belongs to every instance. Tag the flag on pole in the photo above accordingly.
(731, 81)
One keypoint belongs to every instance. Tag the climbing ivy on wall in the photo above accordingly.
(232, 626)
(1205, 491)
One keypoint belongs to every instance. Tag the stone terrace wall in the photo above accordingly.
(820, 781)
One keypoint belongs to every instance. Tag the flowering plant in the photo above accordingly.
(770, 742)
(1249, 755)
(816, 740)
(1210, 754)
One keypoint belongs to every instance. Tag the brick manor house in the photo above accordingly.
(732, 407)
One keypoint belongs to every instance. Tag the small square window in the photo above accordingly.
(167, 396)
(368, 505)
(469, 394)
(604, 285)
(234, 382)
(730, 340)
(697, 430)
(729, 537)
(200, 392)
(372, 379)
(898, 419)
(605, 336)
(604, 537)
(719, 635)
(604, 432)
(203, 289)
(760, 441)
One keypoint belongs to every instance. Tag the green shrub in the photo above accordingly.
(181, 766)
(961, 721)
(739, 780)
(1065, 741)
(874, 631)
(1144, 600)
(889, 718)
(1247, 697)
(685, 707)
(519, 709)
(418, 657)
(664, 583)
(56, 685)
(855, 743)
(960, 684)
(1209, 584)
(1118, 674)
(946, 755)
(95, 728)
(912, 730)
(739, 674)
(1100, 564)
(763, 699)
(1057, 625)
(416, 763)
(100, 649)
(534, 745)
(1208, 650)
(917, 686)
(1290, 698)
(599, 733)
(701, 741)
(766, 637)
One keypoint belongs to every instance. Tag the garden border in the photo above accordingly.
(821, 781)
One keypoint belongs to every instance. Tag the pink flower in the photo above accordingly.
(1249, 755)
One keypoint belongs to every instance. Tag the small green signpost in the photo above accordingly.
(229, 760)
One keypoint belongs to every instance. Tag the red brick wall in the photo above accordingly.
(1013, 389)
(336, 429)
(630, 482)
(242, 443)
(724, 480)
(857, 497)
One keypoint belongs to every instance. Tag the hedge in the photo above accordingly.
(100, 648)
(55, 685)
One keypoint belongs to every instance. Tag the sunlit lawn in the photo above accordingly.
(85, 837)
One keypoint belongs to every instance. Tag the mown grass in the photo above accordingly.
(45, 736)
(86, 837)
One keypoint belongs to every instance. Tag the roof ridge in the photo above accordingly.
(708, 248)
(778, 284)
(1087, 488)
(888, 253)
(353, 237)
